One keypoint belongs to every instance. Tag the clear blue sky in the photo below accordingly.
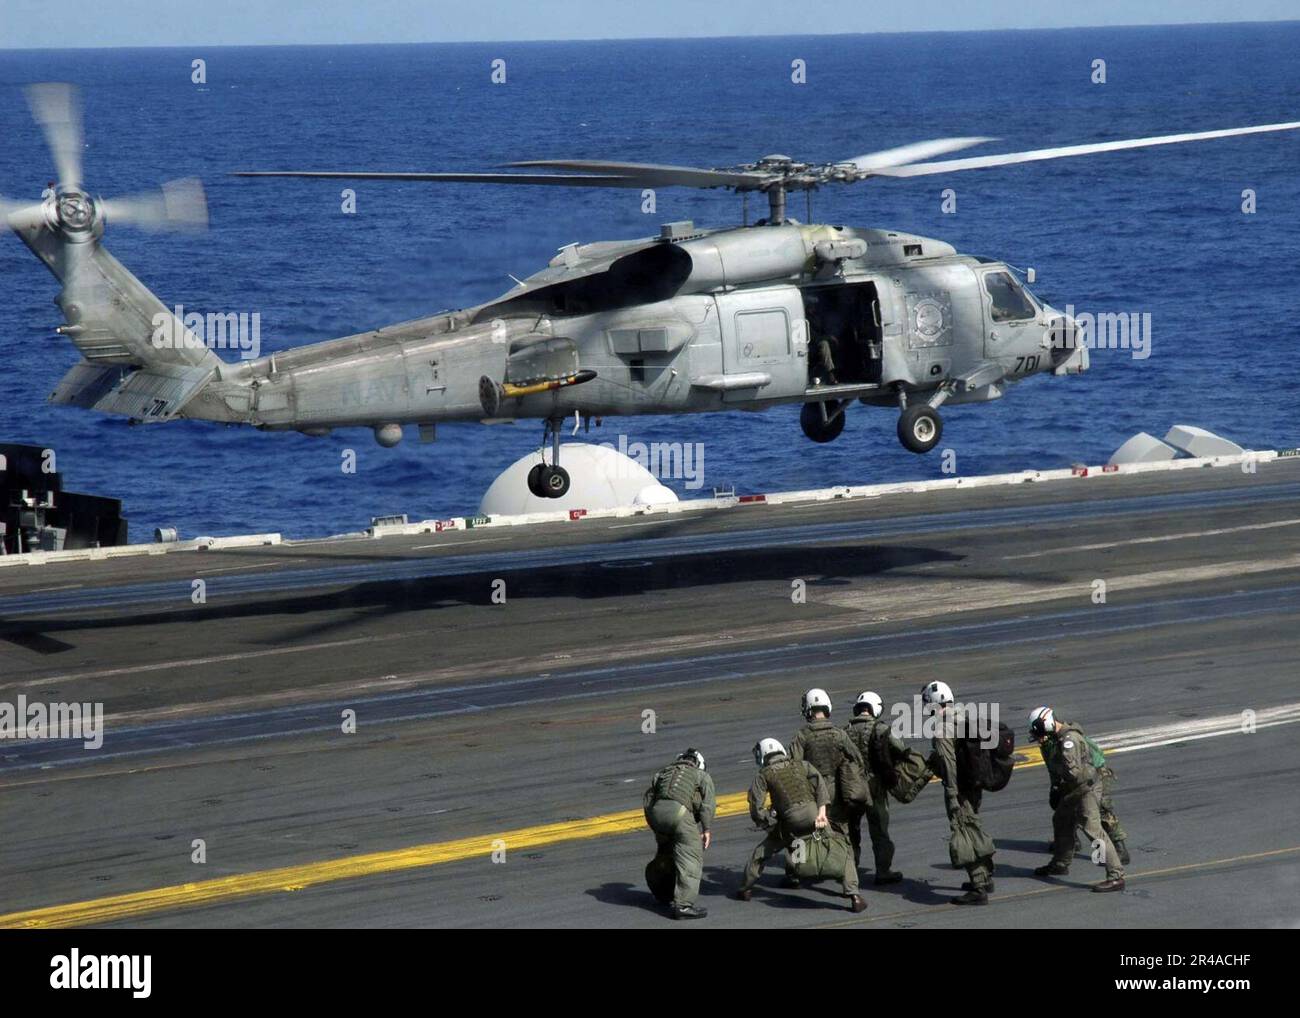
(67, 23)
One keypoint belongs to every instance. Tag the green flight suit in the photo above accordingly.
(863, 730)
(960, 800)
(1081, 787)
(824, 349)
(679, 807)
(804, 792)
(1109, 818)
(827, 748)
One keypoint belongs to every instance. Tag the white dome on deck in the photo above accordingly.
(601, 478)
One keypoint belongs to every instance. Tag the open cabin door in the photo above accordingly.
(845, 323)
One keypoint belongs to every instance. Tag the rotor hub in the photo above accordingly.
(75, 210)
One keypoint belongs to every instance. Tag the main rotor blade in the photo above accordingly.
(1035, 155)
(179, 205)
(553, 179)
(657, 173)
(875, 161)
(56, 108)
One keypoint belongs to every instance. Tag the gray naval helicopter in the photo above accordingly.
(693, 320)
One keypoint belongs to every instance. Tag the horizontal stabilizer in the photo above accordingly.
(153, 394)
(86, 384)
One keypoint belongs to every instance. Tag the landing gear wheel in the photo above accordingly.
(554, 482)
(549, 480)
(535, 480)
(810, 419)
(920, 428)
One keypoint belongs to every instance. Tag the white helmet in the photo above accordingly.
(816, 699)
(868, 701)
(1042, 720)
(936, 694)
(693, 756)
(764, 748)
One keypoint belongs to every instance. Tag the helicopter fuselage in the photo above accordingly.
(692, 321)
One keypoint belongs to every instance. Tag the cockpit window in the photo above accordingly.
(1010, 304)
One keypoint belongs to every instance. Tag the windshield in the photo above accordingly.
(1008, 300)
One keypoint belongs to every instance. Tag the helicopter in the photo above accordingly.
(692, 320)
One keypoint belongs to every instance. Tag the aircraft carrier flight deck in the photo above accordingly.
(450, 728)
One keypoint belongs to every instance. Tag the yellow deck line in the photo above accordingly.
(295, 878)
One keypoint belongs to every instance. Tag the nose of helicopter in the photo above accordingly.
(1069, 351)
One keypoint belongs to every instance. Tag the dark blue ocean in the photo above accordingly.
(1157, 231)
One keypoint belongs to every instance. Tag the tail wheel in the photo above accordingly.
(810, 420)
(919, 428)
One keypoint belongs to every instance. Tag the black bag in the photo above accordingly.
(661, 878)
(984, 769)
(1002, 759)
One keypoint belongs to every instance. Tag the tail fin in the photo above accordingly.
(140, 360)
(110, 316)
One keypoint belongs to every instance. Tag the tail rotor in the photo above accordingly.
(69, 209)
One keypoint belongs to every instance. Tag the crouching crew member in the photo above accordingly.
(679, 807)
(799, 796)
